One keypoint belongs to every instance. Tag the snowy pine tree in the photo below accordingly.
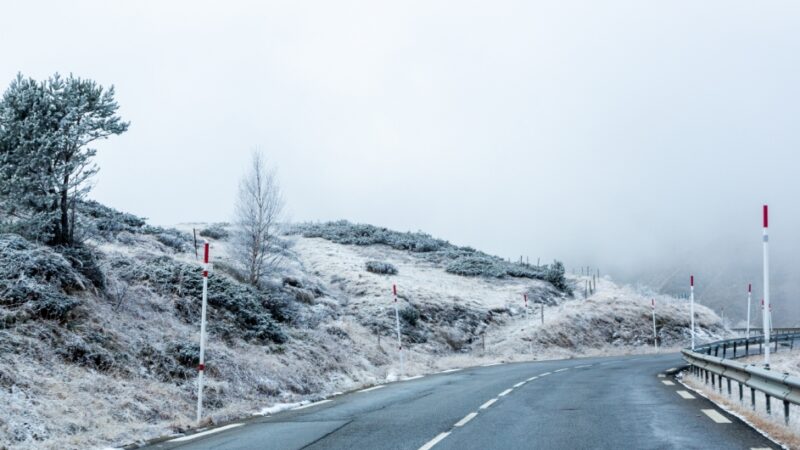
(45, 162)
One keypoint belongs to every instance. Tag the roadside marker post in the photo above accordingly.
(767, 309)
(202, 367)
(691, 305)
(749, 297)
(397, 321)
(655, 335)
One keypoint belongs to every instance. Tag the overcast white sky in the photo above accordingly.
(612, 132)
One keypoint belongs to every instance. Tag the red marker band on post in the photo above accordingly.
(394, 289)
(766, 217)
(691, 280)
(749, 287)
(205, 253)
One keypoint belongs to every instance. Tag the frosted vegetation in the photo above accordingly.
(381, 267)
(464, 261)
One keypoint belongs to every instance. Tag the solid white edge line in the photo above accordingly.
(491, 364)
(506, 392)
(372, 388)
(466, 419)
(311, 404)
(450, 371)
(488, 404)
(413, 378)
(205, 433)
(685, 395)
(429, 445)
(714, 415)
(519, 384)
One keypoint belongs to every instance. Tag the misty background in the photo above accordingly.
(638, 137)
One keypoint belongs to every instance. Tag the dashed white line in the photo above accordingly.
(466, 419)
(372, 388)
(661, 375)
(715, 416)
(583, 366)
(206, 433)
(488, 404)
(311, 404)
(532, 378)
(686, 395)
(519, 384)
(544, 374)
(668, 383)
(429, 445)
(450, 370)
(506, 392)
(561, 370)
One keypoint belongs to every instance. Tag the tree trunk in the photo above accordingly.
(62, 237)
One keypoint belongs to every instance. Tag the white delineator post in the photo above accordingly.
(691, 304)
(202, 366)
(749, 297)
(767, 308)
(655, 335)
(397, 320)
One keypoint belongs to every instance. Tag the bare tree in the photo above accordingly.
(258, 209)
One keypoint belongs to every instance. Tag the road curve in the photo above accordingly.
(615, 402)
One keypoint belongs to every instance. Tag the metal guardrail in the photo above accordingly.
(706, 363)
(760, 331)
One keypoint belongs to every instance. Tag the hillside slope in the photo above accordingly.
(98, 345)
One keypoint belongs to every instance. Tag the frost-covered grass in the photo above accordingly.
(457, 260)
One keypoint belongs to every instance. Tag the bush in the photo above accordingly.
(382, 268)
(242, 311)
(172, 238)
(215, 231)
(410, 315)
(85, 262)
(107, 222)
(36, 279)
(473, 266)
(555, 275)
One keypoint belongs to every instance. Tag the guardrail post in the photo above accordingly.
(706, 376)
(724, 350)
(716, 351)
(719, 383)
(734, 350)
(741, 393)
(713, 380)
(729, 387)
(747, 346)
(753, 398)
(769, 406)
(786, 411)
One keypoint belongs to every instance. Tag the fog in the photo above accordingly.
(638, 137)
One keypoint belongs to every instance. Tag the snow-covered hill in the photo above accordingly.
(99, 346)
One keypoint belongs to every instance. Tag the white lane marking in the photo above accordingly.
(413, 378)
(488, 404)
(519, 384)
(544, 374)
(532, 378)
(466, 419)
(372, 388)
(450, 370)
(434, 441)
(668, 383)
(206, 433)
(492, 364)
(661, 375)
(583, 366)
(506, 392)
(561, 370)
(686, 395)
(311, 404)
(715, 416)
(671, 369)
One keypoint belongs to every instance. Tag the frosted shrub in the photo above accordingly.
(242, 310)
(215, 231)
(473, 266)
(381, 268)
(35, 280)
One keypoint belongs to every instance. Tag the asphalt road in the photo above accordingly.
(614, 403)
